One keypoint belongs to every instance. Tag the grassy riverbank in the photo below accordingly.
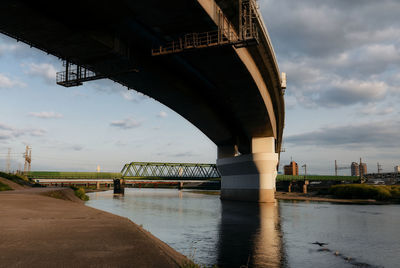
(80, 193)
(365, 191)
(4, 187)
(21, 180)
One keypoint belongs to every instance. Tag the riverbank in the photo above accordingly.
(325, 198)
(41, 231)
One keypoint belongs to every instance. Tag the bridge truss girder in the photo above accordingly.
(169, 170)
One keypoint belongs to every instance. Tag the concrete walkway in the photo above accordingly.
(40, 231)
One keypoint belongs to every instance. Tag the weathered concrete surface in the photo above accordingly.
(40, 231)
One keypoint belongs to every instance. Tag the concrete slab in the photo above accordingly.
(40, 231)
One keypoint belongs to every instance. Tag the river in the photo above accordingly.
(231, 234)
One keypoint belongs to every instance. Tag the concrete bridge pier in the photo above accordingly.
(119, 186)
(249, 177)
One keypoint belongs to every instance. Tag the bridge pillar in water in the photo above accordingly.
(119, 186)
(249, 177)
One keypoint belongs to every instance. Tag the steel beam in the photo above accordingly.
(169, 170)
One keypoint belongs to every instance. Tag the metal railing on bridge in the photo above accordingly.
(140, 170)
(226, 34)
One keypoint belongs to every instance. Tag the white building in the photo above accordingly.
(397, 169)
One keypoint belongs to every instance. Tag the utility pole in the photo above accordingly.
(305, 170)
(379, 168)
(8, 161)
(335, 168)
(340, 168)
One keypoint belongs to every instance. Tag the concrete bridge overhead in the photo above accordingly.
(231, 90)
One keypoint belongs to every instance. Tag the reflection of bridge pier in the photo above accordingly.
(249, 234)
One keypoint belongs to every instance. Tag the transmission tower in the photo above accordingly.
(8, 161)
(339, 168)
(379, 168)
(28, 159)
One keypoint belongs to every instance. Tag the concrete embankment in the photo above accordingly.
(41, 231)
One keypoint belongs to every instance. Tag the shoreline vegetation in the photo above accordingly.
(339, 193)
(349, 193)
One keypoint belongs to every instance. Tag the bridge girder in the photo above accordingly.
(169, 170)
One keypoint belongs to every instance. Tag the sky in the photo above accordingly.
(342, 60)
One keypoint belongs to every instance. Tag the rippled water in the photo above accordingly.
(231, 234)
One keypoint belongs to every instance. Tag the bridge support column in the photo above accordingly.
(119, 186)
(250, 177)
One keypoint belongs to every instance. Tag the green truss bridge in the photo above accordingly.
(154, 170)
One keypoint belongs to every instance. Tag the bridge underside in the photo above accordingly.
(232, 95)
(208, 87)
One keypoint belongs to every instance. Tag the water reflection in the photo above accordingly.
(231, 234)
(249, 235)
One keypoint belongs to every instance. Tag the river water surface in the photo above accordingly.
(231, 234)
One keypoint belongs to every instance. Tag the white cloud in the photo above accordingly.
(131, 95)
(372, 109)
(8, 132)
(45, 70)
(127, 123)
(6, 82)
(373, 135)
(8, 47)
(162, 114)
(45, 115)
(349, 92)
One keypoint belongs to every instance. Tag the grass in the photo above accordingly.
(4, 187)
(194, 265)
(316, 178)
(72, 175)
(21, 180)
(80, 193)
(365, 191)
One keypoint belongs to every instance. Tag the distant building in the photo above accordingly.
(355, 170)
(397, 169)
(363, 169)
(291, 169)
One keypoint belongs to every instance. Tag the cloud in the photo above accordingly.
(162, 114)
(184, 154)
(121, 143)
(8, 48)
(35, 132)
(131, 95)
(127, 123)
(5, 136)
(6, 82)
(46, 71)
(374, 134)
(45, 115)
(8, 132)
(76, 147)
(353, 91)
(79, 94)
(333, 50)
(372, 109)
